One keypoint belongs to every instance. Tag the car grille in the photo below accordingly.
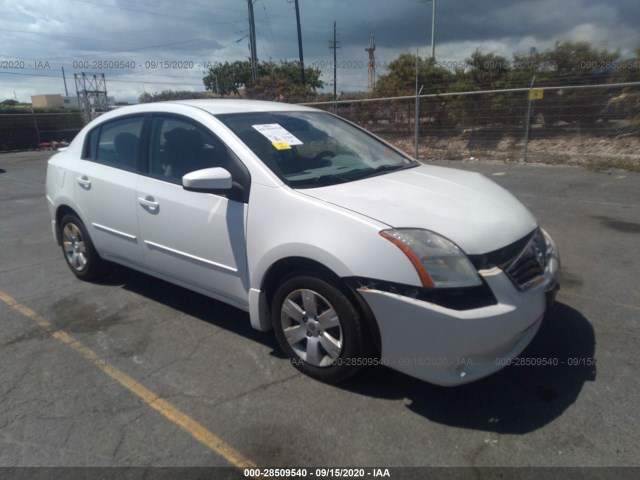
(527, 270)
(523, 261)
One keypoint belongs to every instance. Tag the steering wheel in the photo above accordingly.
(323, 154)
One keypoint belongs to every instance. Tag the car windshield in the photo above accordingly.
(313, 149)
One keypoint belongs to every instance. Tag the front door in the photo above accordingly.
(194, 238)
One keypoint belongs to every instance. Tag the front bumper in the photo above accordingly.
(451, 347)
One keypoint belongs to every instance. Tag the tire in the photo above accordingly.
(78, 249)
(318, 328)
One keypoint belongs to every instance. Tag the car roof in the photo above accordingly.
(211, 106)
(221, 106)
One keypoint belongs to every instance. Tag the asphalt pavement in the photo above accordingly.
(133, 371)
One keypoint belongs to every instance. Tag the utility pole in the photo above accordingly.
(334, 45)
(302, 79)
(64, 79)
(372, 62)
(433, 30)
(335, 63)
(252, 43)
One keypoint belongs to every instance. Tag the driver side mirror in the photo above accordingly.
(211, 180)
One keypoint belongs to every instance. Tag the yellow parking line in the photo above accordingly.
(171, 413)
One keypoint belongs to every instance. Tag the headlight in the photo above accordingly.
(439, 262)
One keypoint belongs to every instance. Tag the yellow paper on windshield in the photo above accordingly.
(280, 137)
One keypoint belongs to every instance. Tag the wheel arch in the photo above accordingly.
(295, 265)
(61, 211)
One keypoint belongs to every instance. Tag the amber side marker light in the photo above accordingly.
(425, 278)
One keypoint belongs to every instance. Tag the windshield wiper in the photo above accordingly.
(385, 169)
(389, 168)
(359, 174)
(320, 181)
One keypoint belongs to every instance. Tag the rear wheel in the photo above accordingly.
(318, 328)
(78, 249)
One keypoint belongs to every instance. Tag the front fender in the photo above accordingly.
(283, 223)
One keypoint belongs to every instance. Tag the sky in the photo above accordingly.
(134, 38)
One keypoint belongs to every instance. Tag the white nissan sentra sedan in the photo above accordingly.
(351, 251)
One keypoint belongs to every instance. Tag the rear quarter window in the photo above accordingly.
(91, 145)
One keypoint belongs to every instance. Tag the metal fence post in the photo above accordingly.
(35, 124)
(528, 123)
(417, 119)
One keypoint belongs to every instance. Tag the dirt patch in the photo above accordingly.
(590, 151)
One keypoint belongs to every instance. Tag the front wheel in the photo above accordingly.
(318, 328)
(78, 249)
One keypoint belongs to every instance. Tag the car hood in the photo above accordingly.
(466, 207)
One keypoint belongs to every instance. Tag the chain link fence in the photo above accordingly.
(595, 126)
(25, 131)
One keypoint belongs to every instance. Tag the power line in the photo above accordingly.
(156, 13)
(145, 80)
(137, 49)
(264, 7)
(199, 7)
(112, 53)
(28, 74)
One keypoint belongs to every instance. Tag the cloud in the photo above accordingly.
(73, 32)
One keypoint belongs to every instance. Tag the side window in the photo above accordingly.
(116, 143)
(179, 146)
(91, 145)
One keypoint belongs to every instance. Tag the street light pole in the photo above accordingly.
(433, 27)
(302, 79)
(252, 43)
(433, 30)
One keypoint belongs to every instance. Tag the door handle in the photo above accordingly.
(84, 181)
(148, 202)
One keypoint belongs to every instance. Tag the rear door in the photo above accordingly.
(105, 188)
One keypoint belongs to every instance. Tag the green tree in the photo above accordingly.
(567, 63)
(171, 95)
(400, 78)
(484, 71)
(627, 103)
(628, 70)
(227, 78)
(283, 78)
(274, 79)
(487, 70)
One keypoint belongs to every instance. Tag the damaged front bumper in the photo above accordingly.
(451, 347)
